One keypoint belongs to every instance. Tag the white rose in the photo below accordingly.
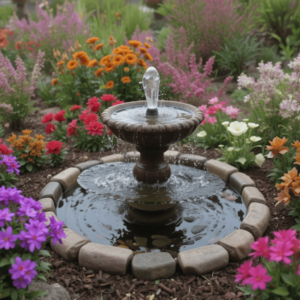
(230, 149)
(253, 125)
(237, 128)
(202, 134)
(221, 146)
(259, 159)
(245, 120)
(225, 123)
(255, 138)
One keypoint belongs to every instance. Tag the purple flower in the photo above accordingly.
(5, 215)
(7, 239)
(13, 167)
(36, 225)
(41, 216)
(20, 283)
(57, 232)
(24, 241)
(27, 210)
(35, 239)
(9, 194)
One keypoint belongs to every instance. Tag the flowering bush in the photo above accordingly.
(275, 99)
(23, 230)
(278, 275)
(29, 151)
(241, 142)
(57, 153)
(16, 90)
(212, 131)
(58, 129)
(8, 168)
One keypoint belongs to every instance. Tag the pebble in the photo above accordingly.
(189, 219)
(197, 229)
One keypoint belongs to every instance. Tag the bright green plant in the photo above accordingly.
(269, 54)
(6, 13)
(163, 36)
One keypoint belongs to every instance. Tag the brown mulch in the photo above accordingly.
(88, 285)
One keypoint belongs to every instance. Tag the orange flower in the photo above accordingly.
(134, 43)
(99, 47)
(99, 72)
(72, 64)
(277, 146)
(118, 15)
(79, 54)
(296, 186)
(77, 45)
(4, 44)
(109, 67)
(18, 45)
(147, 45)
(111, 41)
(104, 60)
(30, 160)
(143, 50)
(117, 51)
(296, 145)
(118, 60)
(39, 136)
(283, 196)
(84, 60)
(24, 155)
(287, 179)
(12, 138)
(124, 47)
(78, 94)
(92, 40)
(27, 131)
(297, 158)
(141, 62)
(126, 79)
(60, 63)
(54, 81)
(109, 85)
(126, 69)
(130, 59)
(93, 63)
(148, 56)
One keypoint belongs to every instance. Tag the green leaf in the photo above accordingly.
(157, 281)
(241, 160)
(29, 167)
(14, 295)
(36, 294)
(42, 277)
(281, 291)
(246, 290)
(296, 227)
(22, 162)
(288, 279)
(4, 262)
(45, 253)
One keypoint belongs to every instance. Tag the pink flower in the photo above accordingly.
(203, 108)
(261, 247)
(258, 278)
(47, 118)
(84, 113)
(284, 236)
(244, 272)
(94, 104)
(213, 100)
(212, 120)
(95, 128)
(108, 98)
(90, 118)
(211, 110)
(281, 251)
(117, 103)
(75, 107)
(218, 106)
(72, 128)
(232, 111)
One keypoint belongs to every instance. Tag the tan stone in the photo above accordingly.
(252, 195)
(192, 160)
(239, 181)
(257, 219)
(112, 260)
(52, 190)
(52, 214)
(237, 244)
(132, 156)
(71, 245)
(203, 260)
(67, 177)
(86, 165)
(112, 158)
(220, 169)
(171, 156)
(48, 205)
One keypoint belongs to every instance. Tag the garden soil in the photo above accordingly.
(88, 285)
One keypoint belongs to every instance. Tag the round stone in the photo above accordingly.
(197, 229)
(189, 219)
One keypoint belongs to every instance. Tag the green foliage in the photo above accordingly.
(166, 8)
(6, 13)
(163, 35)
(1, 130)
(238, 96)
(45, 91)
(269, 54)
(57, 159)
(236, 53)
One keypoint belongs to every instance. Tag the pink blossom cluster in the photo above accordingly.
(216, 106)
(6, 108)
(285, 249)
(289, 108)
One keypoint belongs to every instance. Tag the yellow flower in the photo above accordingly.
(39, 136)
(93, 63)
(130, 59)
(77, 45)
(134, 43)
(60, 63)
(143, 50)
(148, 56)
(147, 45)
(118, 60)
(99, 72)
(126, 79)
(109, 85)
(99, 47)
(92, 40)
(54, 81)
(27, 131)
(109, 67)
(126, 69)
(111, 41)
(104, 60)
(72, 64)
(12, 138)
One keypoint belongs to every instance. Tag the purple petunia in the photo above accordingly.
(7, 239)
(24, 241)
(57, 232)
(5, 215)
(35, 238)
(9, 194)
(36, 225)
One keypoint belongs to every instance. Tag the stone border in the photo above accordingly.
(198, 261)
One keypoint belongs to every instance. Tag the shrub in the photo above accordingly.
(277, 277)
(16, 90)
(57, 153)
(8, 168)
(23, 231)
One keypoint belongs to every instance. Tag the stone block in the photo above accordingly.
(71, 245)
(52, 214)
(257, 219)
(55, 291)
(85, 165)
(112, 260)
(220, 169)
(48, 205)
(112, 158)
(252, 195)
(132, 156)
(67, 177)
(237, 244)
(152, 266)
(171, 156)
(239, 181)
(52, 190)
(192, 160)
(203, 260)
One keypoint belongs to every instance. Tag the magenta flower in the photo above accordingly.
(27, 210)
(284, 236)
(5, 215)
(25, 269)
(24, 241)
(212, 120)
(35, 239)
(9, 194)
(7, 239)
(213, 100)
(258, 278)
(281, 251)
(57, 232)
(261, 247)
(244, 272)
(36, 225)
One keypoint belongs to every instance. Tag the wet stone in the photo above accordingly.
(161, 242)
(48, 204)
(197, 229)
(132, 156)
(239, 181)
(52, 190)
(189, 219)
(252, 195)
(85, 165)
(152, 266)
(112, 158)
(192, 160)
(67, 177)
(220, 169)
(171, 156)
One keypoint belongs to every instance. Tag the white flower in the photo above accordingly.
(253, 125)
(259, 159)
(230, 149)
(202, 134)
(221, 146)
(245, 120)
(270, 155)
(247, 98)
(237, 128)
(226, 123)
(255, 138)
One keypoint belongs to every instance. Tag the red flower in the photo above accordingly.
(50, 128)
(117, 102)
(75, 107)
(59, 117)
(94, 104)
(84, 113)
(54, 147)
(90, 118)
(95, 128)
(108, 98)
(47, 118)
(211, 110)
(72, 128)
(4, 150)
